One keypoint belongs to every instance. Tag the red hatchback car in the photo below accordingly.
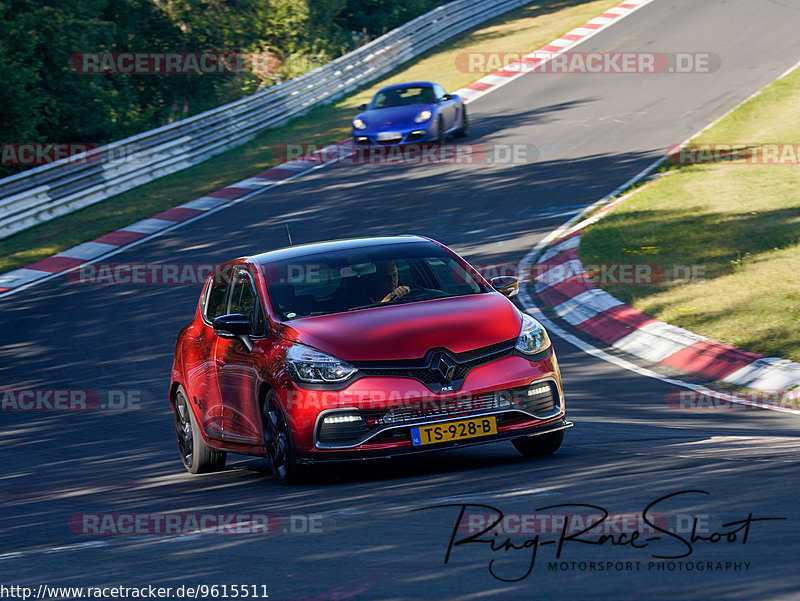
(357, 349)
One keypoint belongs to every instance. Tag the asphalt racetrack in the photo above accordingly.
(591, 133)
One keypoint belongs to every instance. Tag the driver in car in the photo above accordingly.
(386, 282)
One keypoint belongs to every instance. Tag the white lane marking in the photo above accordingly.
(767, 373)
(657, 340)
(567, 244)
(586, 305)
(203, 204)
(87, 250)
(252, 183)
(20, 277)
(561, 42)
(568, 270)
(148, 226)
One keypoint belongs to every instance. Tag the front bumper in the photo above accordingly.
(538, 430)
(406, 135)
(387, 408)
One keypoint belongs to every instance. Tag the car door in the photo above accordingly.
(237, 369)
(199, 366)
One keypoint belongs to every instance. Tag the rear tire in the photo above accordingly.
(462, 131)
(536, 446)
(279, 443)
(196, 457)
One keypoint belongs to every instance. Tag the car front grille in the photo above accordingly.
(431, 410)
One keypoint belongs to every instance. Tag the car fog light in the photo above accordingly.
(539, 390)
(341, 419)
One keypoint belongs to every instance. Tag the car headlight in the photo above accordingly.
(532, 337)
(422, 117)
(359, 124)
(309, 365)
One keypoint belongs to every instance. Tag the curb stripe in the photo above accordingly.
(177, 214)
(609, 320)
(229, 193)
(149, 226)
(711, 358)
(120, 237)
(55, 264)
(87, 250)
(616, 323)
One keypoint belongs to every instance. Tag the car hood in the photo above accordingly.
(394, 116)
(408, 331)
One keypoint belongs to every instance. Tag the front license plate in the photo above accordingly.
(389, 135)
(466, 428)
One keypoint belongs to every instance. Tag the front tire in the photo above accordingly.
(462, 131)
(439, 131)
(536, 446)
(278, 442)
(196, 457)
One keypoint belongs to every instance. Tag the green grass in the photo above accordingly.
(522, 30)
(737, 224)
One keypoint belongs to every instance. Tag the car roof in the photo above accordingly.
(302, 250)
(408, 84)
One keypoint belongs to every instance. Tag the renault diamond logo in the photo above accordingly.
(443, 368)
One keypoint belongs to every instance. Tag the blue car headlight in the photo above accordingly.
(359, 123)
(423, 116)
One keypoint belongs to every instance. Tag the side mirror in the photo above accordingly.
(507, 285)
(446, 97)
(362, 107)
(235, 326)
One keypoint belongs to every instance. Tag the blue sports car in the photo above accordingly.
(420, 111)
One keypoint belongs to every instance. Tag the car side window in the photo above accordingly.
(217, 299)
(244, 300)
(439, 91)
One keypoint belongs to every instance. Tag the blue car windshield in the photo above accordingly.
(403, 97)
(346, 280)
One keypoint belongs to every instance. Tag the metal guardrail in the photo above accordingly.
(42, 193)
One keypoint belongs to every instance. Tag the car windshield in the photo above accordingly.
(352, 279)
(403, 97)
